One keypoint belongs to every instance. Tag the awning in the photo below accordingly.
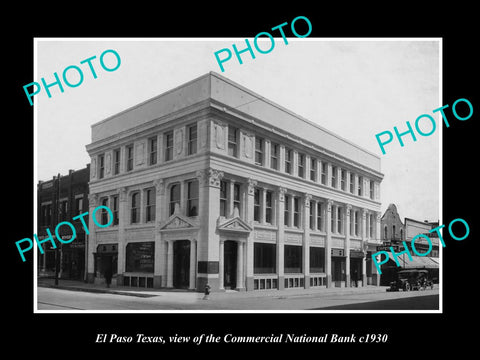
(417, 262)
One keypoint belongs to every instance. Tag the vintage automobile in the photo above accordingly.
(411, 280)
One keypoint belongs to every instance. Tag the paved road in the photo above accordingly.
(59, 299)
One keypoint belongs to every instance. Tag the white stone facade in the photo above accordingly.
(211, 183)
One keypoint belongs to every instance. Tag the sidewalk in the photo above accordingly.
(228, 294)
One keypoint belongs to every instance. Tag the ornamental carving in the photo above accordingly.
(329, 205)
(251, 186)
(108, 163)
(219, 135)
(210, 177)
(92, 200)
(281, 193)
(307, 199)
(179, 141)
(159, 186)
(247, 145)
(123, 194)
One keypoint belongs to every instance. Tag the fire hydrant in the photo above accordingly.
(207, 292)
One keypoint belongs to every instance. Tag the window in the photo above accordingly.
(101, 166)
(401, 235)
(312, 207)
(63, 209)
(116, 161)
(140, 257)
(360, 186)
(385, 233)
(320, 216)
(268, 207)
(343, 180)
(259, 151)
(296, 211)
(47, 214)
(372, 227)
(372, 190)
(324, 173)
(104, 214)
(236, 196)
(129, 150)
(168, 138)
(293, 259)
(135, 212)
(357, 223)
(78, 205)
(333, 219)
(317, 260)
(192, 139)
(301, 166)
(223, 198)
(288, 161)
(192, 198)
(286, 217)
(352, 183)
(313, 169)
(393, 232)
(115, 209)
(256, 205)
(152, 151)
(334, 177)
(150, 205)
(264, 258)
(174, 197)
(340, 220)
(232, 141)
(274, 156)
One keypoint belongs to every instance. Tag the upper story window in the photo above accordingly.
(352, 183)
(310, 220)
(288, 160)
(174, 197)
(286, 216)
(372, 190)
(296, 211)
(115, 209)
(324, 173)
(78, 205)
(313, 169)
(268, 207)
(135, 209)
(256, 205)
(101, 166)
(320, 216)
(223, 198)
(274, 156)
(192, 139)
(343, 179)
(168, 143)
(129, 151)
(301, 165)
(236, 196)
(232, 141)
(104, 214)
(192, 198)
(334, 177)
(259, 151)
(116, 161)
(152, 151)
(47, 214)
(150, 205)
(360, 186)
(63, 209)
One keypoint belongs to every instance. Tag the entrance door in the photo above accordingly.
(230, 265)
(338, 270)
(181, 264)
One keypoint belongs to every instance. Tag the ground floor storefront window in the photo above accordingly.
(264, 258)
(293, 259)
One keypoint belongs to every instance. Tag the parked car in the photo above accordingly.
(411, 280)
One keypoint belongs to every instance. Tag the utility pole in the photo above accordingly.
(57, 217)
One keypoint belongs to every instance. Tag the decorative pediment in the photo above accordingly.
(235, 224)
(178, 222)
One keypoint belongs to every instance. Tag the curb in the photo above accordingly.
(96, 290)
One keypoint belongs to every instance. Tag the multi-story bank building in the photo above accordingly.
(212, 183)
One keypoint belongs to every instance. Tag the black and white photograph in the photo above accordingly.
(213, 196)
(243, 181)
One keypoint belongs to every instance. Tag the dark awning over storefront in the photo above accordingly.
(417, 262)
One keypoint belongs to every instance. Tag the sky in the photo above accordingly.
(355, 88)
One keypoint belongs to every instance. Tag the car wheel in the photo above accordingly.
(407, 287)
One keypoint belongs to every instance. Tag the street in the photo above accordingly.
(357, 299)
